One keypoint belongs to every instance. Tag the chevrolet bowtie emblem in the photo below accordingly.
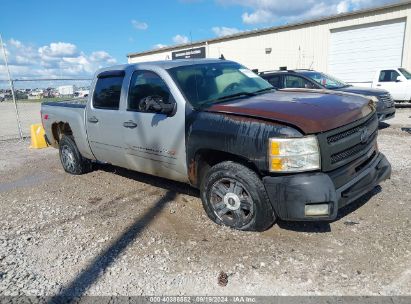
(364, 135)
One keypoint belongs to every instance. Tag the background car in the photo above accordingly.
(310, 79)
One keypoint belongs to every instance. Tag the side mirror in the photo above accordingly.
(398, 79)
(156, 104)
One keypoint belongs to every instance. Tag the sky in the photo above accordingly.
(74, 38)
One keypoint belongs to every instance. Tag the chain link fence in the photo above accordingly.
(16, 119)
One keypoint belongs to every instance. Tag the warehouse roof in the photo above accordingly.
(270, 29)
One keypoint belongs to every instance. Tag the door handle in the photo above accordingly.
(130, 124)
(93, 119)
(378, 85)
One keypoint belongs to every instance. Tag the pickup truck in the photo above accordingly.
(397, 81)
(317, 80)
(255, 154)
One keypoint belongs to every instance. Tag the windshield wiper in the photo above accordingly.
(236, 95)
(264, 90)
(223, 98)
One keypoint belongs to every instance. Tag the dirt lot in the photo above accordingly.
(115, 232)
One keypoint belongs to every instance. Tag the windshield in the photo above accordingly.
(405, 73)
(326, 80)
(209, 83)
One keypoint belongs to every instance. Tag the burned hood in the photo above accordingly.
(312, 111)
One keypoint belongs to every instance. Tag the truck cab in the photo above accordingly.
(310, 79)
(397, 81)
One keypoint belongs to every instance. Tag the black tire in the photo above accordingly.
(71, 159)
(235, 209)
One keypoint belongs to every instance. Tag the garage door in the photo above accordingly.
(357, 53)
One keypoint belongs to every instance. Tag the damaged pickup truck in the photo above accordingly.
(255, 153)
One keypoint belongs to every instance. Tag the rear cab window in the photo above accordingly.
(107, 91)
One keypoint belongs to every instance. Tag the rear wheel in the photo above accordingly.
(71, 159)
(234, 196)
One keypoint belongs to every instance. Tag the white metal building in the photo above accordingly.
(351, 46)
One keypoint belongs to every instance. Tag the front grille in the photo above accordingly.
(337, 157)
(344, 134)
(346, 144)
(387, 100)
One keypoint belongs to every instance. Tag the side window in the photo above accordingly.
(275, 81)
(146, 85)
(107, 92)
(298, 82)
(388, 76)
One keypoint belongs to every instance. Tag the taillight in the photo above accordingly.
(45, 117)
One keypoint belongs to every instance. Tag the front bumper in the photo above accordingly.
(386, 113)
(289, 195)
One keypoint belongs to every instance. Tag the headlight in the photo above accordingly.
(294, 154)
(374, 100)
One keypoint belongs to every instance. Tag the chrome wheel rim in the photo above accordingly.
(67, 158)
(231, 202)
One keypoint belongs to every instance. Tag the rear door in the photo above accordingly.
(154, 142)
(275, 80)
(387, 80)
(104, 119)
(295, 81)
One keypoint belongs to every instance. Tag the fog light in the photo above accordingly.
(316, 210)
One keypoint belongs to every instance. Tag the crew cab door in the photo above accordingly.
(154, 141)
(275, 80)
(390, 80)
(297, 82)
(104, 119)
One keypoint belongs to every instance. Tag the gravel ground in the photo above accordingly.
(116, 232)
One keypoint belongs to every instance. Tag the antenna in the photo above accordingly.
(192, 61)
(312, 63)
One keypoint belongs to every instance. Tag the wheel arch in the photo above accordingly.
(59, 129)
(205, 158)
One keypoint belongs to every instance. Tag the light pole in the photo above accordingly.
(12, 89)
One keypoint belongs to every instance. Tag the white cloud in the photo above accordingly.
(270, 11)
(102, 56)
(58, 59)
(343, 7)
(58, 49)
(221, 31)
(138, 25)
(15, 43)
(180, 39)
(159, 46)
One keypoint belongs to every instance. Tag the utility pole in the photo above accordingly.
(12, 89)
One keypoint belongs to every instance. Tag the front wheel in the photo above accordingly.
(71, 159)
(234, 196)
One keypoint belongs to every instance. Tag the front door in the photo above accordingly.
(154, 142)
(104, 119)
